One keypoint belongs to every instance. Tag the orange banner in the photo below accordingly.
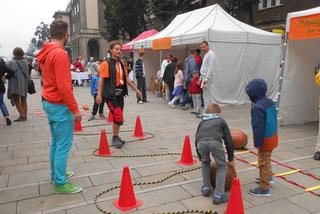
(161, 44)
(305, 27)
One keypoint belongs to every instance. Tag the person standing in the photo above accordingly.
(190, 67)
(141, 79)
(316, 155)
(18, 84)
(168, 78)
(112, 88)
(207, 72)
(198, 58)
(94, 92)
(6, 73)
(93, 67)
(59, 104)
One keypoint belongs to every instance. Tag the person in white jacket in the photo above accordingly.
(207, 72)
(164, 64)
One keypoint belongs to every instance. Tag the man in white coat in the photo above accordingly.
(207, 73)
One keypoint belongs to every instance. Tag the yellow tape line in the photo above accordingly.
(313, 188)
(288, 173)
(242, 152)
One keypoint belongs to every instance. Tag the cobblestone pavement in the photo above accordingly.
(24, 163)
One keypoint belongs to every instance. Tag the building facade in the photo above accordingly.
(267, 14)
(86, 28)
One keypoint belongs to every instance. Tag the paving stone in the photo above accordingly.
(30, 152)
(9, 208)
(4, 181)
(18, 194)
(88, 168)
(306, 200)
(3, 148)
(111, 177)
(25, 168)
(13, 162)
(84, 209)
(170, 207)
(152, 170)
(32, 177)
(44, 203)
(6, 155)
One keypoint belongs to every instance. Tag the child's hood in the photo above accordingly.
(256, 89)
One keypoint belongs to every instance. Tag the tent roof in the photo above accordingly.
(312, 11)
(129, 46)
(213, 24)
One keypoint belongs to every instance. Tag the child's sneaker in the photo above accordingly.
(271, 180)
(220, 199)
(171, 105)
(102, 116)
(67, 188)
(193, 112)
(91, 118)
(117, 142)
(260, 192)
(206, 191)
(8, 121)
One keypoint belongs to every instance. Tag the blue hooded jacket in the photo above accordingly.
(263, 116)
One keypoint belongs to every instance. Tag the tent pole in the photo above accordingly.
(282, 70)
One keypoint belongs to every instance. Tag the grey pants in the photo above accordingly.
(206, 147)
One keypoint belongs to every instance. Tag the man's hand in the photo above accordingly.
(139, 94)
(77, 117)
(204, 83)
(98, 99)
(232, 163)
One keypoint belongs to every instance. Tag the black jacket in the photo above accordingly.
(7, 73)
(139, 68)
(168, 76)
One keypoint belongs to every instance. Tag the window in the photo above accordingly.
(266, 4)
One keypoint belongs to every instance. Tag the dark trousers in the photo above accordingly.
(141, 81)
(187, 98)
(96, 107)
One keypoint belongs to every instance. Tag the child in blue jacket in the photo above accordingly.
(265, 133)
(94, 92)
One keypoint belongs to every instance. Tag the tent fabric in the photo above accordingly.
(128, 47)
(243, 52)
(300, 95)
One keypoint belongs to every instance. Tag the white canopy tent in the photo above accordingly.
(243, 52)
(300, 95)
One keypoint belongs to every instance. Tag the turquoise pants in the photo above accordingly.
(61, 127)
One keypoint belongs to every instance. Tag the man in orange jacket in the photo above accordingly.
(59, 104)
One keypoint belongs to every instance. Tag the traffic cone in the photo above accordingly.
(78, 126)
(138, 133)
(187, 157)
(235, 204)
(127, 200)
(104, 145)
(110, 118)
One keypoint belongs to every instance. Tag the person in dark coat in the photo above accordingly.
(6, 73)
(168, 76)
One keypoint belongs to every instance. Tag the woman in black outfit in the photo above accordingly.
(168, 76)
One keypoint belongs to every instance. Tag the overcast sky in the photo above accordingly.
(19, 19)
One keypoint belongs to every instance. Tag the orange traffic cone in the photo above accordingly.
(187, 157)
(138, 133)
(77, 126)
(110, 118)
(235, 204)
(127, 200)
(104, 145)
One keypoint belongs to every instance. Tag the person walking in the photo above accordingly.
(112, 89)
(178, 84)
(18, 84)
(168, 78)
(207, 72)
(5, 73)
(141, 79)
(59, 104)
(190, 67)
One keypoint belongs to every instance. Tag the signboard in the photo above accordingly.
(305, 27)
(161, 44)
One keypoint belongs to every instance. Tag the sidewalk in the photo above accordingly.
(24, 163)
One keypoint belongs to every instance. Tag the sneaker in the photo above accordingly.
(206, 191)
(8, 121)
(102, 116)
(117, 142)
(122, 141)
(260, 192)
(20, 119)
(193, 112)
(184, 107)
(140, 102)
(67, 188)
(91, 118)
(69, 174)
(220, 200)
(146, 101)
(171, 105)
(271, 180)
(316, 156)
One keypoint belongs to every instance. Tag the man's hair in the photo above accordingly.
(141, 54)
(198, 51)
(18, 53)
(213, 108)
(204, 43)
(113, 44)
(58, 29)
(174, 59)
